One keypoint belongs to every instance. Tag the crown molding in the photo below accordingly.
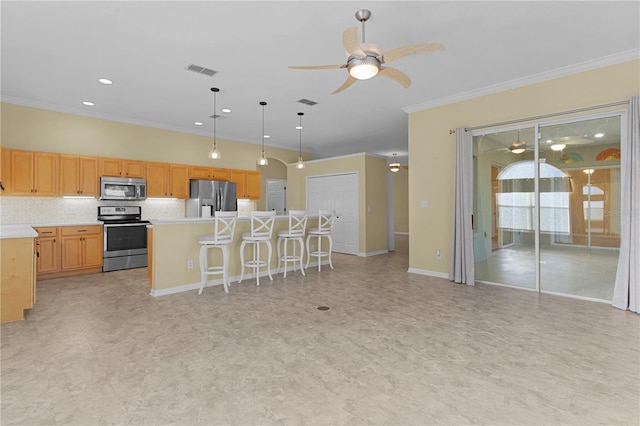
(605, 61)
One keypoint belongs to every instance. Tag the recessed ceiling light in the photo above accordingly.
(227, 110)
(549, 141)
(87, 103)
(267, 136)
(298, 127)
(598, 135)
(105, 81)
(198, 123)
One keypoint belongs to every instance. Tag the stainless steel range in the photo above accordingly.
(125, 237)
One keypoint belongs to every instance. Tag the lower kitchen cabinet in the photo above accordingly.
(17, 278)
(47, 250)
(72, 250)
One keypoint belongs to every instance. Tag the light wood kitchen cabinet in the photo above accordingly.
(122, 168)
(248, 183)
(33, 173)
(47, 250)
(167, 180)
(78, 175)
(208, 173)
(17, 278)
(5, 170)
(178, 181)
(81, 247)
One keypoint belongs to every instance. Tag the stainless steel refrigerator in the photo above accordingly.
(209, 196)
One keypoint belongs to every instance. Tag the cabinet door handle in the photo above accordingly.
(82, 230)
(47, 232)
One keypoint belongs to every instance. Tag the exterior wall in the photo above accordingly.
(431, 147)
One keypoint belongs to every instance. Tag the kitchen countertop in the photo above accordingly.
(17, 231)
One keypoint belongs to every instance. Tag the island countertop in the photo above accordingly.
(17, 231)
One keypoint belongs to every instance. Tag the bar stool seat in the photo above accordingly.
(295, 232)
(324, 229)
(261, 231)
(223, 230)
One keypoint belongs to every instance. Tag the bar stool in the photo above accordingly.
(261, 231)
(325, 226)
(295, 233)
(223, 229)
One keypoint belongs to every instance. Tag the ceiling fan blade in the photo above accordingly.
(396, 75)
(317, 67)
(348, 82)
(350, 43)
(400, 52)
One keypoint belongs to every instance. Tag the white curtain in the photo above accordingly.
(461, 267)
(626, 294)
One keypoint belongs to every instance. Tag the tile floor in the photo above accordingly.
(393, 349)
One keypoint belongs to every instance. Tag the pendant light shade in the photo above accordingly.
(300, 164)
(262, 160)
(214, 154)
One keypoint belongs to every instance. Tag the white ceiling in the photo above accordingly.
(54, 52)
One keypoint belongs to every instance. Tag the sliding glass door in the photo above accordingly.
(569, 245)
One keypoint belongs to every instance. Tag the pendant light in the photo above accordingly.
(214, 154)
(262, 160)
(300, 164)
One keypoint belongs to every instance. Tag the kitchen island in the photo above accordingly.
(174, 248)
(18, 274)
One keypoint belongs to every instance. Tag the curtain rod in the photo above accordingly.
(538, 117)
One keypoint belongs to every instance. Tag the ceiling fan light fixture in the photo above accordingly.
(363, 68)
(518, 147)
(558, 146)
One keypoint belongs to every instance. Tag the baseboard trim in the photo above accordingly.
(428, 273)
(373, 253)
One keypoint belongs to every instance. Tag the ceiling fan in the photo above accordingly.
(365, 60)
(394, 166)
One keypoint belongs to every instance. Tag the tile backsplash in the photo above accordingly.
(58, 210)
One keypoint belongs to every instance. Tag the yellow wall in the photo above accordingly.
(50, 131)
(431, 147)
(400, 191)
(371, 172)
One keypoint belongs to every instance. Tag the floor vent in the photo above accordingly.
(307, 102)
(201, 70)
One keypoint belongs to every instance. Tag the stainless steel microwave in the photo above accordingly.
(115, 188)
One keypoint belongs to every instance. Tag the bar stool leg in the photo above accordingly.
(225, 267)
(256, 249)
(286, 259)
(319, 251)
(330, 248)
(308, 252)
(203, 268)
(279, 257)
(301, 254)
(269, 258)
(244, 243)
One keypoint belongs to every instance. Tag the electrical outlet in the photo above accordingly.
(438, 254)
(189, 264)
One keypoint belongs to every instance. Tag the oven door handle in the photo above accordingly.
(114, 225)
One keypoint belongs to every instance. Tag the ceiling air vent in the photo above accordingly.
(307, 102)
(201, 70)
(218, 116)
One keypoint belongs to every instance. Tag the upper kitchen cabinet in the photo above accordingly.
(248, 183)
(208, 173)
(33, 173)
(5, 168)
(122, 168)
(167, 180)
(78, 175)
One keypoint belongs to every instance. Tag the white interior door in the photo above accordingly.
(277, 195)
(339, 193)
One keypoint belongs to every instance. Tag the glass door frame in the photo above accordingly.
(614, 112)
